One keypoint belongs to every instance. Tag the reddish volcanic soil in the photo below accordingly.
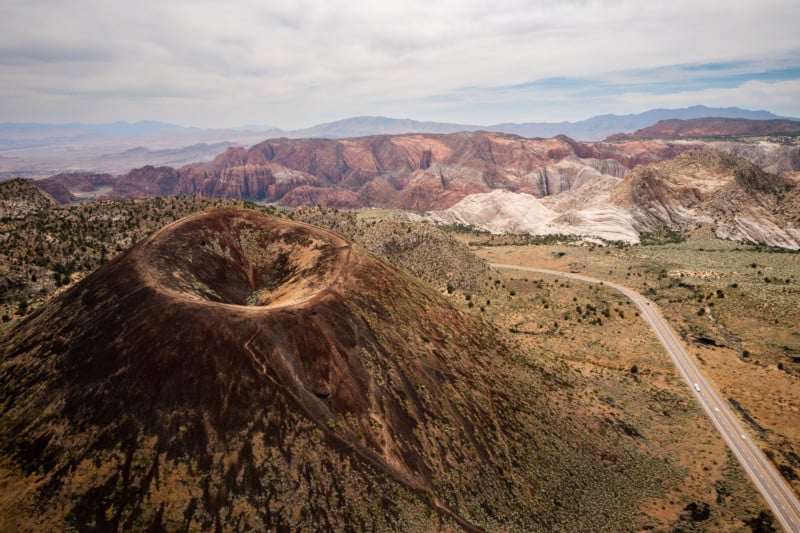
(239, 262)
(235, 371)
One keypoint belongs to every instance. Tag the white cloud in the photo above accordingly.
(298, 62)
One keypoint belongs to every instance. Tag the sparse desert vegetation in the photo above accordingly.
(735, 306)
(376, 382)
(45, 248)
(257, 267)
(602, 373)
(49, 248)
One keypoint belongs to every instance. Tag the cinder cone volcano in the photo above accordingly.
(235, 371)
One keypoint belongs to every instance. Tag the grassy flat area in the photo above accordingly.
(734, 305)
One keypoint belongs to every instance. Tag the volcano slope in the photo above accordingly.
(241, 372)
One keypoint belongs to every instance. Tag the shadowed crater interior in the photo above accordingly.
(241, 261)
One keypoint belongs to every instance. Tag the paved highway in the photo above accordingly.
(776, 491)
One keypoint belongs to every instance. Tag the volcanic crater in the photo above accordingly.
(244, 261)
(232, 326)
(277, 285)
(239, 372)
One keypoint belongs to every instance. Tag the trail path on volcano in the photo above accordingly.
(767, 479)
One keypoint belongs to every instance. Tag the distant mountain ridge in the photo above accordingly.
(709, 127)
(592, 129)
(48, 149)
(365, 126)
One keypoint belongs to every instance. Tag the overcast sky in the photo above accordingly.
(296, 63)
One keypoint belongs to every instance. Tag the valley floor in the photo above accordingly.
(735, 307)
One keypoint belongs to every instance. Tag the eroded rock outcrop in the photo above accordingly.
(61, 186)
(736, 198)
(414, 171)
(709, 127)
(437, 172)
